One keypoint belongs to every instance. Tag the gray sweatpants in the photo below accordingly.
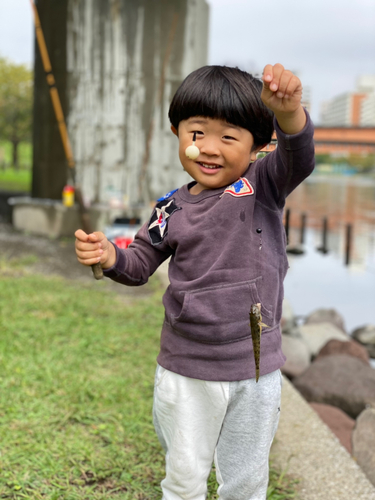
(230, 423)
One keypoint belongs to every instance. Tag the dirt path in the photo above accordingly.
(55, 257)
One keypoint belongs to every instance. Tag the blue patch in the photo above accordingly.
(168, 195)
(238, 186)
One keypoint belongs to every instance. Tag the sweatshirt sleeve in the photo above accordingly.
(281, 171)
(139, 261)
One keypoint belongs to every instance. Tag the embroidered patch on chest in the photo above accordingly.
(241, 187)
(168, 195)
(158, 225)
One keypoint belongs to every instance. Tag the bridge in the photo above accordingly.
(340, 141)
(344, 140)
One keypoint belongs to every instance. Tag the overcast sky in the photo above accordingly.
(328, 42)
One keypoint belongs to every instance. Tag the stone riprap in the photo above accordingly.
(297, 356)
(326, 316)
(338, 421)
(365, 335)
(316, 335)
(351, 348)
(339, 380)
(364, 442)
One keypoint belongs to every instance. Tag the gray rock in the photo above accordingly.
(297, 356)
(288, 321)
(338, 380)
(338, 421)
(316, 335)
(363, 443)
(326, 316)
(365, 335)
(351, 348)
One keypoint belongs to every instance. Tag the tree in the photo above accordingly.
(16, 97)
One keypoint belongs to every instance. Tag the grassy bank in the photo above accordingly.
(11, 179)
(76, 383)
(15, 180)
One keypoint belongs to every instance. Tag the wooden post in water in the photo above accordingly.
(324, 248)
(303, 228)
(348, 243)
(287, 220)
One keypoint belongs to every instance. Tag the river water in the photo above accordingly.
(318, 280)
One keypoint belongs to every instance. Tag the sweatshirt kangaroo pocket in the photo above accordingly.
(218, 314)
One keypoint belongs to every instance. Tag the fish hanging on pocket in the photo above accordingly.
(256, 325)
(158, 225)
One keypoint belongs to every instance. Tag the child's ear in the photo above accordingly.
(174, 130)
(254, 152)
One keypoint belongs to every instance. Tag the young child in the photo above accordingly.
(226, 240)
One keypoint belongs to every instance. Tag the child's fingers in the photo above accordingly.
(277, 71)
(83, 246)
(81, 235)
(267, 76)
(294, 87)
(97, 236)
(88, 262)
(88, 253)
(89, 257)
(284, 82)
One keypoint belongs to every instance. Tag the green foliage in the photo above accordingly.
(16, 87)
(362, 163)
(76, 385)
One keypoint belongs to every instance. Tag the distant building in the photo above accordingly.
(117, 65)
(351, 109)
(368, 111)
(343, 110)
(306, 98)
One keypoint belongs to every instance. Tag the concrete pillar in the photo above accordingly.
(123, 60)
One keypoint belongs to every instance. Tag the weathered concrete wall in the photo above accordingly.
(125, 59)
(116, 70)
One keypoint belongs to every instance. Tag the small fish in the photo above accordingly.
(256, 332)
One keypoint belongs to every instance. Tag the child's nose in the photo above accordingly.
(209, 146)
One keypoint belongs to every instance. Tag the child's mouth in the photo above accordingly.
(209, 167)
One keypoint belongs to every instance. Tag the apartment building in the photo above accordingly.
(352, 109)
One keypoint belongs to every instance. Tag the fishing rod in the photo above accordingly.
(56, 103)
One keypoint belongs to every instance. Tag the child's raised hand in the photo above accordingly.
(282, 93)
(93, 248)
(282, 90)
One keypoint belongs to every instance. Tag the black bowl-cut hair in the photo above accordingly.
(228, 94)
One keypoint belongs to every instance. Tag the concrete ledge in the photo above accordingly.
(310, 452)
(51, 218)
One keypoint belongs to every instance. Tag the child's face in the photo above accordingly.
(225, 151)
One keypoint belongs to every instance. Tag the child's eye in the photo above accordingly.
(229, 137)
(198, 132)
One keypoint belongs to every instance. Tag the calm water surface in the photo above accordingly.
(318, 280)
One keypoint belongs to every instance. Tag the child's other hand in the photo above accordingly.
(282, 93)
(93, 248)
(282, 90)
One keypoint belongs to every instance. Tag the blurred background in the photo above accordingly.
(117, 64)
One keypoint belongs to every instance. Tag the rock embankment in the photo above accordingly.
(332, 371)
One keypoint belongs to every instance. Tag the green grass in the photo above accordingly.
(76, 383)
(11, 179)
(15, 180)
(25, 153)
